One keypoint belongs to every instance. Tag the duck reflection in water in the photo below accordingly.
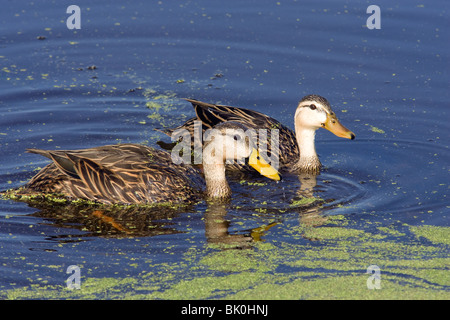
(141, 221)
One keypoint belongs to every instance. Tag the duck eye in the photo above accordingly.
(313, 107)
(237, 138)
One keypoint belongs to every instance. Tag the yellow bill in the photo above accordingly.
(260, 165)
(332, 124)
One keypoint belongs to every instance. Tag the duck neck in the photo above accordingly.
(216, 182)
(308, 160)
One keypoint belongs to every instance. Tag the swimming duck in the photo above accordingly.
(297, 152)
(137, 174)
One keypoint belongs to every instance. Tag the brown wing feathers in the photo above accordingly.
(126, 173)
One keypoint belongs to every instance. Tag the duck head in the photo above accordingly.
(231, 141)
(314, 112)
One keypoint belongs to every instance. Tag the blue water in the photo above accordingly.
(82, 88)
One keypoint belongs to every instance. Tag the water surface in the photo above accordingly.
(125, 72)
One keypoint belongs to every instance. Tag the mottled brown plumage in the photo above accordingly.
(125, 173)
(137, 174)
(211, 115)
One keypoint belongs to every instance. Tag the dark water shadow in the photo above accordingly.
(108, 221)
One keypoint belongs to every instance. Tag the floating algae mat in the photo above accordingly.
(329, 261)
